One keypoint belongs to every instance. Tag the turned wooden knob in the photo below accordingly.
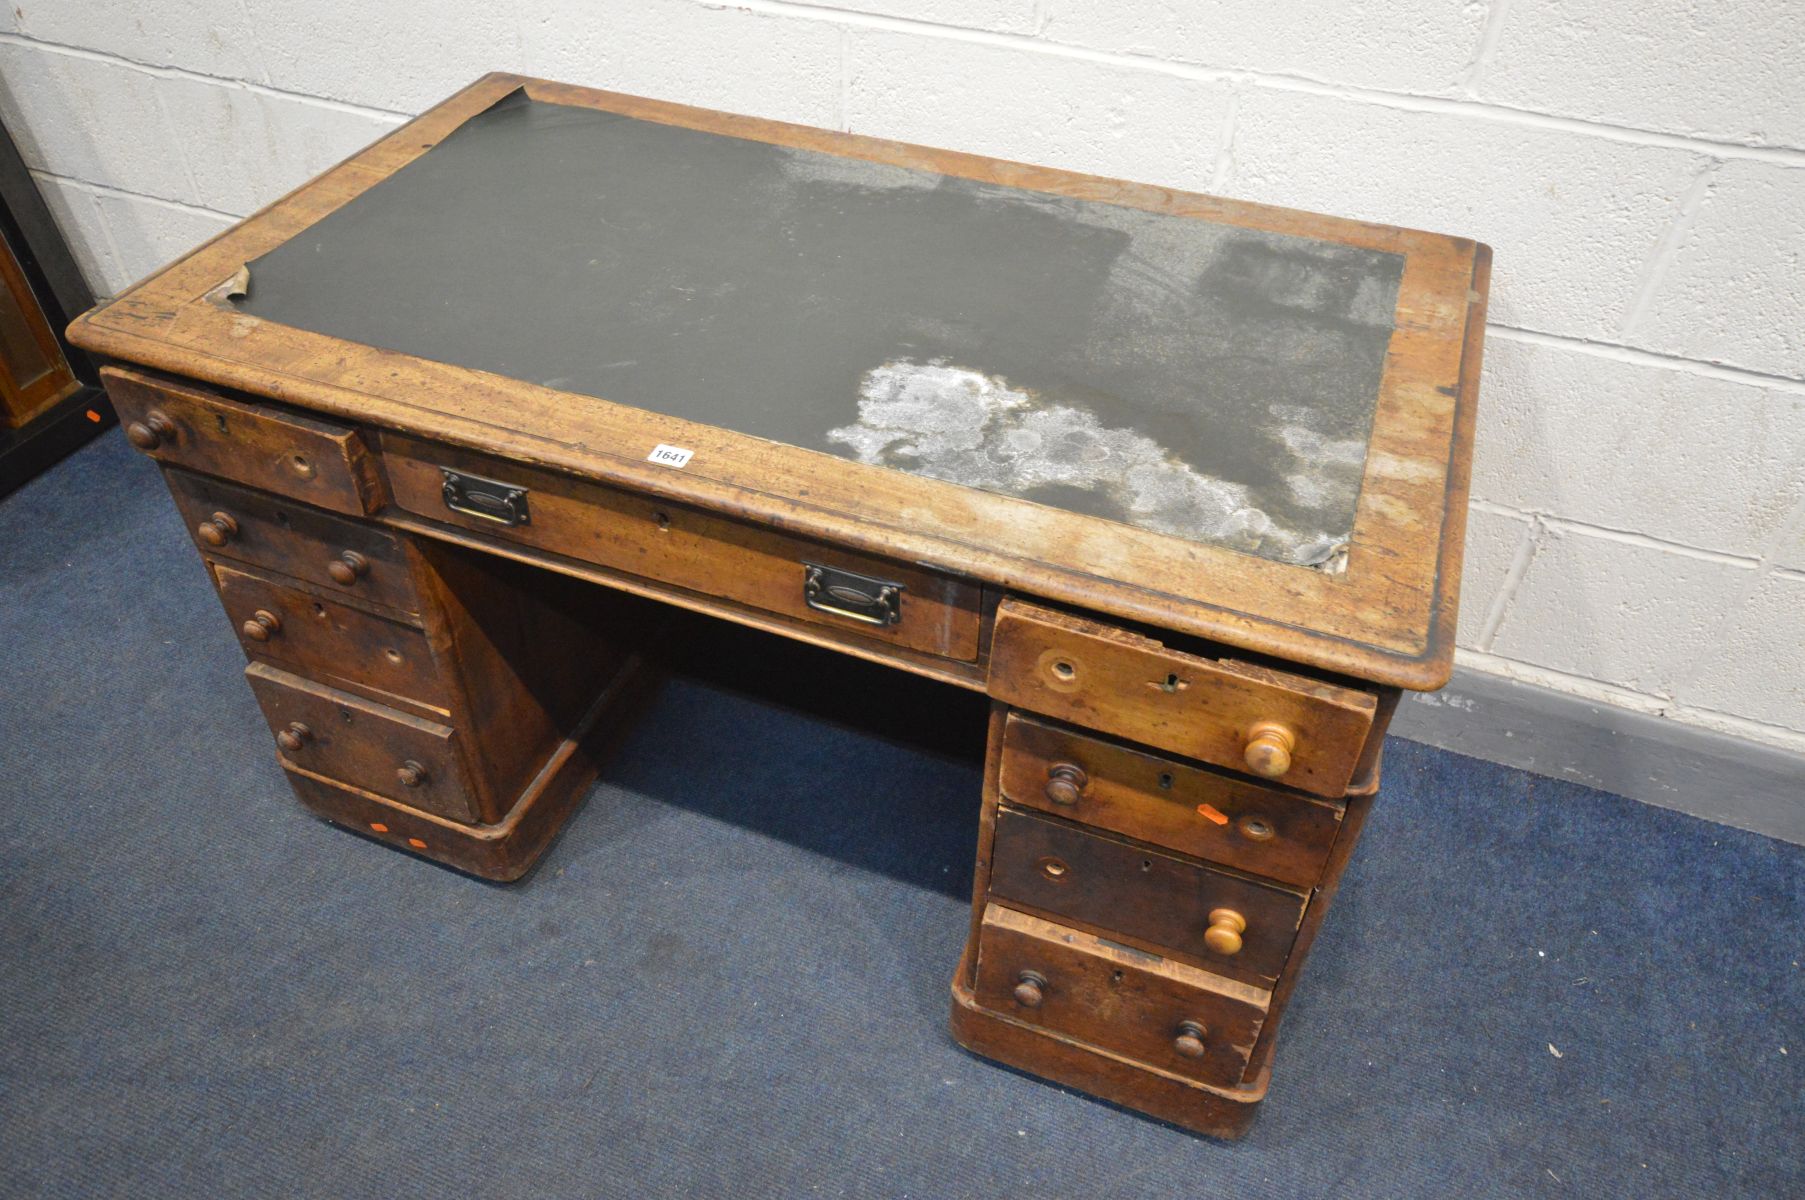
(411, 774)
(217, 529)
(348, 568)
(1224, 934)
(263, 625)
(1189, 1040)
(151, 432)
(1030, 989)
(294, 737)
(1065, 783)
(1269, 746)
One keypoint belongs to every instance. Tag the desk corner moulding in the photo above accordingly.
(1178, 482)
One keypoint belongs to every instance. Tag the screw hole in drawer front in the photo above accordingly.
(1194, 809)
(1145, 1007)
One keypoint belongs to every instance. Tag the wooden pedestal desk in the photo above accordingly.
(1179, 482)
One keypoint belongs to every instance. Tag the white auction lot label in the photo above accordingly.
(670, 456)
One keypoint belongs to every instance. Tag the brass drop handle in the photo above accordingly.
(151, 432)
(1065, 783)
(294, 737)
(262, 626)
(1224, 934)
(348, 568)
(1030, 989)
(411, 774)
(1269, 747)
(1189, 1039)
(217, 529)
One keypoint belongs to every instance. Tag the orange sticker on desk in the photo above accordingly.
(1212, 813)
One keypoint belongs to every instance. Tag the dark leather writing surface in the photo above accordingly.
(1202, 380)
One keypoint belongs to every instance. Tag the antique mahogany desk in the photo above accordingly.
(1178, 482)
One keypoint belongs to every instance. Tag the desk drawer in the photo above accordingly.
(359, 742)
(320, 636)
(304, 459)
(352, 557)
(1285, 727)
(1152, 1009)
(679, 545)
(1191, 809)
(1233, 925)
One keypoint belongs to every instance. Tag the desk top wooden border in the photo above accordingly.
(1388, 618)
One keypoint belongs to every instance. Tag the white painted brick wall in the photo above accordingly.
(1582, 586)
(1728, 297)
(1012, 102)
(1728, 70)
(1572, 218)
(1421, 46)
(1593, 439)
(1638, 527)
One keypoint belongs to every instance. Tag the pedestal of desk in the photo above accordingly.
(1149, 970)
(1142, 906)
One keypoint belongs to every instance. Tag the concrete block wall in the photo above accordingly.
(1638, 522)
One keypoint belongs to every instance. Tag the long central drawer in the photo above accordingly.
(685, 546)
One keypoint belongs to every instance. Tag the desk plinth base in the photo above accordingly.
(1216, 1112)
(506, 850)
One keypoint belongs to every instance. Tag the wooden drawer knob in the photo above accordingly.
(151, 432)
(1269, 747)
(348, 568)
(294, 737)
(1189, 1040)
(218, 529)
(1030, 989)
(1224, 934)
(262, 626)
(411, 774)
(1065, 783)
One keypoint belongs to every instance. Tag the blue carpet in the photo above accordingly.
(729, 977)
